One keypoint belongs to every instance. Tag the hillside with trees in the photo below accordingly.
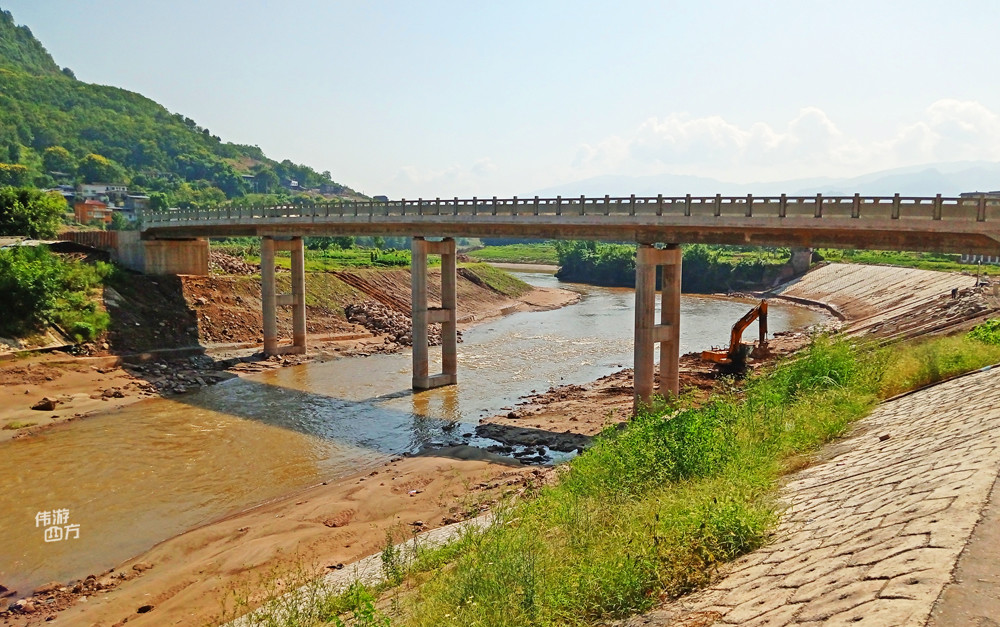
(55, 129)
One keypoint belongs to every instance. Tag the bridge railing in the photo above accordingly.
(978, 208)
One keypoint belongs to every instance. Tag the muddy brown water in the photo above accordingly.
(136, 476)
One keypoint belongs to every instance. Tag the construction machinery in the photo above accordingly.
(735, 358)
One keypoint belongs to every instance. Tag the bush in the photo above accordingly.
(987, 332)
(30, 212)
(40, 288)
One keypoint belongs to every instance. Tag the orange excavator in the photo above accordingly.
(735, 358)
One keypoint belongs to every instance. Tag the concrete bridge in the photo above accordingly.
(173, 242)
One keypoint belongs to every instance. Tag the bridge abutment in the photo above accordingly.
(270, 299)
(422, 315)
(647, 332)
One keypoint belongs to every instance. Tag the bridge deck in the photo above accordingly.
(934, 224)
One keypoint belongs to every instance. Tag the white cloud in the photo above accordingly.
(810, 144)
(454, 180)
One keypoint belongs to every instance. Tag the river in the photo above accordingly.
(136, 476)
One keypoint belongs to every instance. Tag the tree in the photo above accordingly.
(119, 222)
(158, 201)
(13, 174)
(58, 159)
(30, 212)
(266, 180)
(95, 168)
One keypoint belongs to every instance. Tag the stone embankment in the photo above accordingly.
(895, 303)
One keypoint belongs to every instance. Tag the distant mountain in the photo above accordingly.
(56, 129)
(948, 179)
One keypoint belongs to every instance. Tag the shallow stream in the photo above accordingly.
(134, 477)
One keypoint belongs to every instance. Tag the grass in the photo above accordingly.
(496, 279)
(924, 362)
(653, 509)
(517, 253)
(650, 511)
(18, 424)
(331, 260)
(923, 261)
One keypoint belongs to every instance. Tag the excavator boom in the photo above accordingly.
(737, 350)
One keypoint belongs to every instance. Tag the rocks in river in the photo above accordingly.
(46, 404)
(48, 588)
(383, 320)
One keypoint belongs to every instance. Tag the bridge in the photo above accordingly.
(173, 242)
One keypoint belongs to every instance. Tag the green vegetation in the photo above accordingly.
(495, 279)
(653, 509)
(30, 213)
(40, 288)
(518, 253)
(987, 332)
(56, 129)
(923, 362)
(705, 269)
(924, 261)
(334, 259)
(18, 424)
(19, 50)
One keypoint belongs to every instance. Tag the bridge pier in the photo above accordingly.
(647, 332)
(423, 315)
(270, 299)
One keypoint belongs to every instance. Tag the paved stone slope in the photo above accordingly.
(871, 535)
(860, 291)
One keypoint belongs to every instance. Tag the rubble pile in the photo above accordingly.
(384, 320)
(221, 263)
(180, 376)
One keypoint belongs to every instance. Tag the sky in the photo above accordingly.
(439, 99)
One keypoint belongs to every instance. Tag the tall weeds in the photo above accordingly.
(652, 509)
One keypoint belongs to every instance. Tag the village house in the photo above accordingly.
(89, 210)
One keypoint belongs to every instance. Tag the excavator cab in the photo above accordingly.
(734, 359)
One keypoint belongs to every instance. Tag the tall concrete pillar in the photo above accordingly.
(268, 296)
(270, 299)
(418, 311)
(298, 295)
(801, 260)
(670, 319)
(422, 315)
(647, 332)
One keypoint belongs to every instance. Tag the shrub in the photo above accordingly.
(41, 288)
(30, 212)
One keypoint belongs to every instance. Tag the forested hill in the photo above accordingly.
(55, 129)
(20, 51)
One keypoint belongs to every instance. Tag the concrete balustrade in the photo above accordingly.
(423, 315)
(270, 299)
(933, 224)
